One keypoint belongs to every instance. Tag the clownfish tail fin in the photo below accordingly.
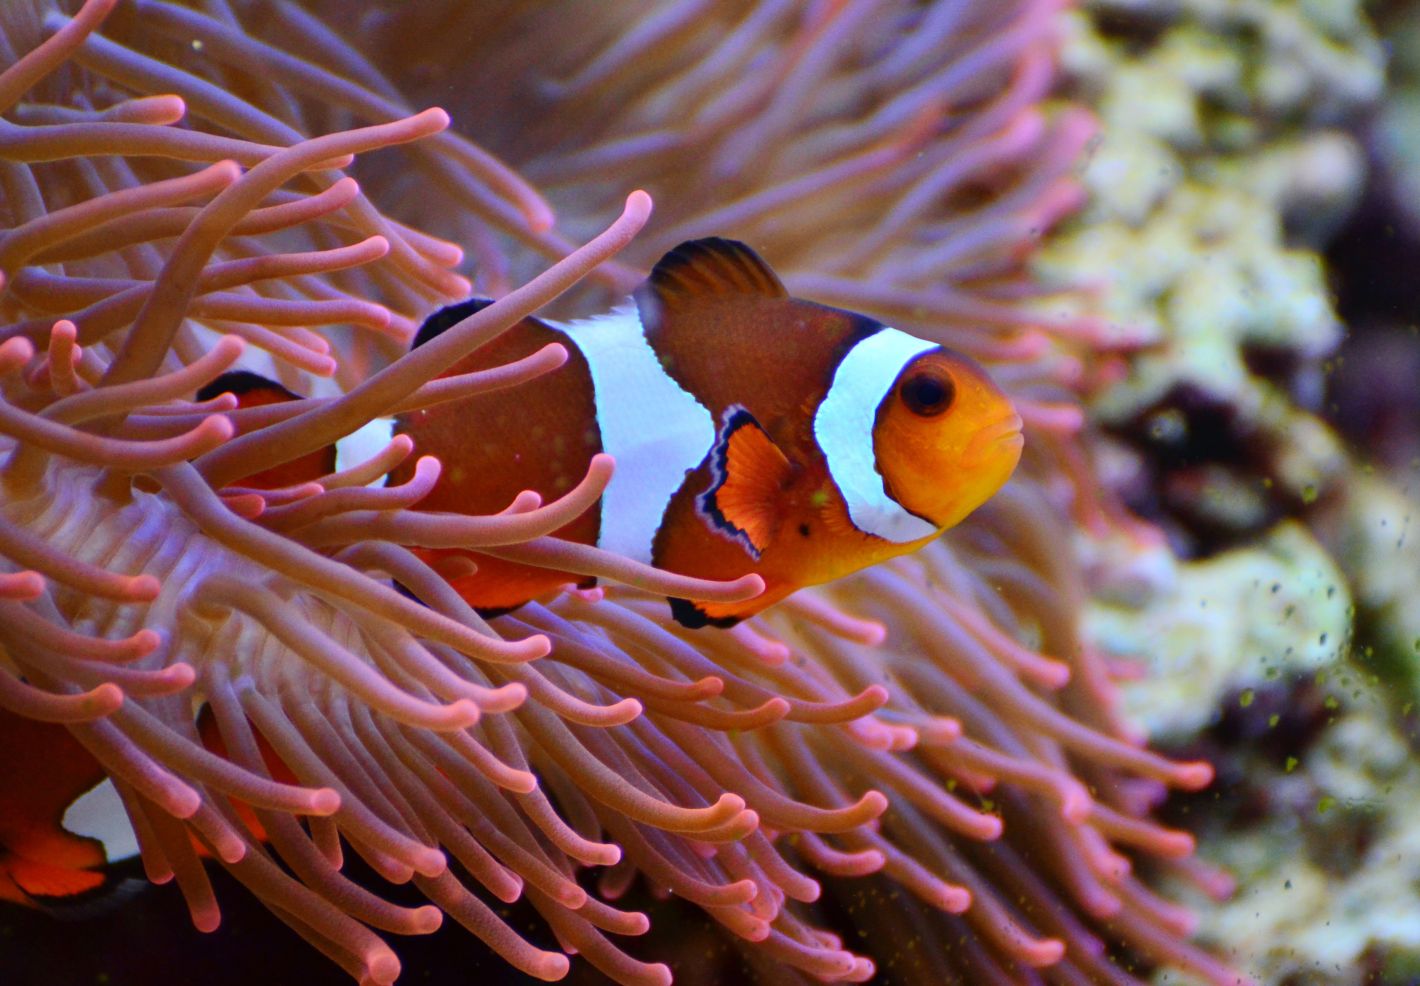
(446, 318)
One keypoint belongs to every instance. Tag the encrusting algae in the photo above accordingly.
(178, 195)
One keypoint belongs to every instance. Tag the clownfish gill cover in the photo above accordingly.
(408, 539)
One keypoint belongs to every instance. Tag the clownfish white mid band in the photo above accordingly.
(752, 432)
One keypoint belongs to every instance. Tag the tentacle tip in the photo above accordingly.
(873, 804)
(510, 697)
(428, 861)
(1076, 806)
(872, 633)
(461, 714)
(1051, 674)
(206, 919)
(729, 804)
(219, 427)
(325, 801)
(382, 967)
(1193, 776)
(180, 675)
(875, 695)
(540, 216)
(658, 974)
(639, 204)
(708, 687)
(988, 828)
(1042, 953)
(227, 170)
(550, 967)
(521, 782)
(531, 648)
(864, 969)
(426, 920)
(105, 700)
(232, 851)
(142, 588)
(22, 586)
(1177, 845)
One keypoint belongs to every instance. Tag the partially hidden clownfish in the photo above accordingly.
(61, 822)
(752, 432)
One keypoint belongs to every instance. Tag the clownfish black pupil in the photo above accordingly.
(927, 394)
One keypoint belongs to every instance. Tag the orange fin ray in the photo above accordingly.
(749, 472)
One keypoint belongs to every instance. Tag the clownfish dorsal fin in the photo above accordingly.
(749, 473)
(726, 330)
(241, 383)
(446, 318)
(712, 266)
(254, 390)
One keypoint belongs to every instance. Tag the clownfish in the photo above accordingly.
(752, 432)
(61, 821)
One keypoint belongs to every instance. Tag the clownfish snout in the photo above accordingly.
(1003, 437)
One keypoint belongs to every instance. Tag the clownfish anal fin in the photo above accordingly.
(692, 617)
(446, 318)
(748, 475)
(713, 266)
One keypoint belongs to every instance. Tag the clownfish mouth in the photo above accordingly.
(997, 438)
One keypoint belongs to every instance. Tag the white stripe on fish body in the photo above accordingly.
(655, 430)
(843, 428)
(98, 814)
(363, 444)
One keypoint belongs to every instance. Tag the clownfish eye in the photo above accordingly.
(927, 394)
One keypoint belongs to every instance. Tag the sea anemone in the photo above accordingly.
(177, 194)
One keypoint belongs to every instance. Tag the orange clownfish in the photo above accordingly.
(752, 432)
(60, 820)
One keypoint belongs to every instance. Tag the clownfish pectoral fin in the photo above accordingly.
(446, 318)
(749, 473)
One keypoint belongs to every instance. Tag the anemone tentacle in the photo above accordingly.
(189, 185)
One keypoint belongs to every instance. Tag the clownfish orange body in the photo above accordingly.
(60, 821)
(752, 432)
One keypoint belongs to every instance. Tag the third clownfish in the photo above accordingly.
(752, 432)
